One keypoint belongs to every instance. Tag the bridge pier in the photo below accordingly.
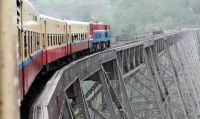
(161, 92)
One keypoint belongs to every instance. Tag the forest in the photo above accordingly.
(128, 16)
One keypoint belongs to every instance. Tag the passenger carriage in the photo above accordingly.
(29, 46)
(78, 36)
(54, 41)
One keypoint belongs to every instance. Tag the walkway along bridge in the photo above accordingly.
(153, 78)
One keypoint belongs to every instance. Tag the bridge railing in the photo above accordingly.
(53, 97)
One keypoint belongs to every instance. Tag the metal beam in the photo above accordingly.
(108, 98)
(176, 78)
(125, 98)
(84, 112)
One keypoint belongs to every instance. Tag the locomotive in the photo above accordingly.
(44, 42)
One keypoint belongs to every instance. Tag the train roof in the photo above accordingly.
(50, 18)
(76, 22)
(98, 23)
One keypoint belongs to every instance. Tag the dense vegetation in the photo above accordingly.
(131, 16)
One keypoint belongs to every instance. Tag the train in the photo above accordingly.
(44, 42)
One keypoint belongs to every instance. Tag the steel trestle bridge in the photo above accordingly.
(148, 78)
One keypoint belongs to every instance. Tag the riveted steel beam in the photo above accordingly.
(81, 101)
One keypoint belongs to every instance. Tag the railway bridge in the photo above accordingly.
(154, 77)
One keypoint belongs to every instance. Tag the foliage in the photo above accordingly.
(129, 16)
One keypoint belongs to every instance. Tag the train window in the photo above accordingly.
(48, 39)
(99, 35)
(19, 43)
(18, 3)
(35, 18)
(59, 39)
(56, 39)
(82, 36)
(38, 41)
(77, 37)
(106, 34)
(34, 41)
(52, 39)
(96, 35)
(59, 42)
(25, 44)
(43, 40)
(31, 43)
(28, 42)
(61, 35)
(62, 38)
(73, 38)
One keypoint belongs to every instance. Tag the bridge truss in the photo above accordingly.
(151, 78)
